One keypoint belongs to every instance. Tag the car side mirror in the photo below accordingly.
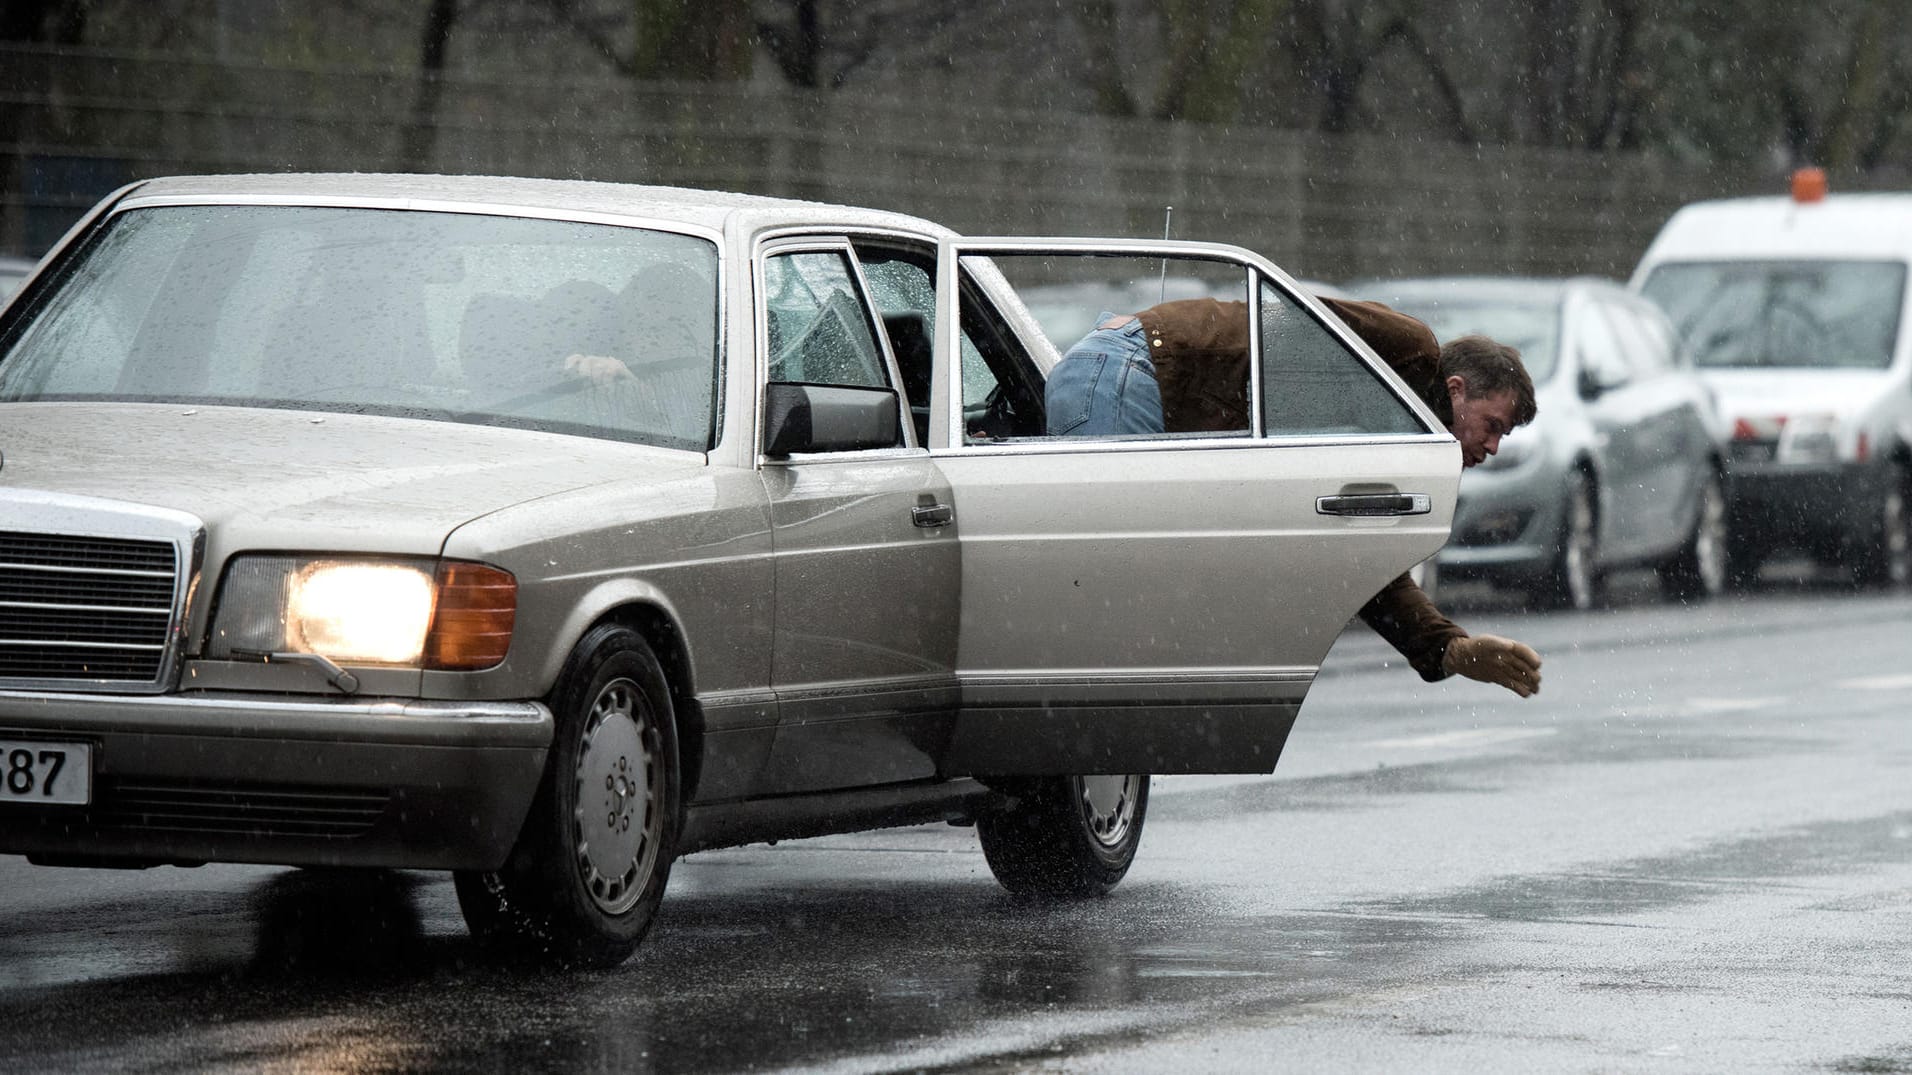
(1592, 385)
(828, 418)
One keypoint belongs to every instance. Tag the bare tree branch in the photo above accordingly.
(1410, 38)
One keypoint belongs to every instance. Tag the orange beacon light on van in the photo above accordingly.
(1809, 185)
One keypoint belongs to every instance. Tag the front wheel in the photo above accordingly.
(1066, 837)
(1886, 561)
(1699, 569)
(584, 881)
(1573, 579)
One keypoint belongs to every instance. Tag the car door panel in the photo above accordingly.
(1095, 616)
(866, 578)
(1163, 605)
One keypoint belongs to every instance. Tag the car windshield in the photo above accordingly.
(1531, 327)
(1783, 313)
(546, 324)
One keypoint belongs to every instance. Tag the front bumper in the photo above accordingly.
(214, 777)
(1818, 507)
(1506, 524)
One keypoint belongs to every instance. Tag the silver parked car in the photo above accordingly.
(1623, 465)
(547, 531)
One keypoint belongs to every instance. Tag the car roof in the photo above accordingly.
(1521, 289)
(1842, 225)
(713, 210)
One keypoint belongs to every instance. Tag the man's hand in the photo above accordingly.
(1492, 659)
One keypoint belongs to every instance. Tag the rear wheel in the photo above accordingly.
(1699, 569)
(1886, 561)
(1573, 579)
(1066, 836)
(585, 879)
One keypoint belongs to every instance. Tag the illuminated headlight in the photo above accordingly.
(407, 613)
(1809, 438)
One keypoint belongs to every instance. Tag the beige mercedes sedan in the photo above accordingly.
(547, 531)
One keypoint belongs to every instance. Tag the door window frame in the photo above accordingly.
(946, 416)
(835, 243)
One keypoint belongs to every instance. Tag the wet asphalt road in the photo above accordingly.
(1691, 853)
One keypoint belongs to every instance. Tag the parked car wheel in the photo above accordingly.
(1066, 836)
(585, 879)
(1573, 580)
(1698, 570)
(1887, 561)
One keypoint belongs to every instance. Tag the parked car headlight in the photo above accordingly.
(1809, 438)
(410, 613)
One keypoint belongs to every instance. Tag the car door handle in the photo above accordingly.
(932, 515)
(1368, 504)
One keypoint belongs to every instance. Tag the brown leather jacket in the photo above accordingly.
(1199, 348)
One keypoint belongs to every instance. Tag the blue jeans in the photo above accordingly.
(1105, 386)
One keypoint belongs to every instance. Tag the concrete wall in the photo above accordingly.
(75, 123)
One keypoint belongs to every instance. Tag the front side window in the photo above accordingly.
(578, 328)
(819, 330)
(1834, 314)
(1603, 362)
(1644, 340)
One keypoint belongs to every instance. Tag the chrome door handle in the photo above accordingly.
(1374, 504)
(932, 515)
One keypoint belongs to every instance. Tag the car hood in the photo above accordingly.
(302, 479)
(1761, 393)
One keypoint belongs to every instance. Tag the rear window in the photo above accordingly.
(547, 324)
(1826, 314)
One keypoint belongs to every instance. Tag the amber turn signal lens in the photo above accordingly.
(471, 627)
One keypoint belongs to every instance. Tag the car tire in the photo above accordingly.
(583, 883)
(1065, 837)
(1886, 562)
(1699, 569)
(1573, 579)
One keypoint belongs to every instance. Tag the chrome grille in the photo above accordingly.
(80, 608)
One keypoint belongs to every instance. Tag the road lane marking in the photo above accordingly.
(1877, 683)
(1700, 707)
(1471, 737)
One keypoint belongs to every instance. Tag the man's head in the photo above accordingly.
(1490, 392)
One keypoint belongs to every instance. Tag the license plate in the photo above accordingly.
(35, 772)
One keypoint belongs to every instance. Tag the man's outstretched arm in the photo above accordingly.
(1436, 647)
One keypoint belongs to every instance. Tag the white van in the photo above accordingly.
(1795, 310)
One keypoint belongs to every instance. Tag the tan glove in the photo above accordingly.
(1492, 659)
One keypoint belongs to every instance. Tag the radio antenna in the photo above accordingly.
(1168, 215)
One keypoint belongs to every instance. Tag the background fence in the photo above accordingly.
(76, 123)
